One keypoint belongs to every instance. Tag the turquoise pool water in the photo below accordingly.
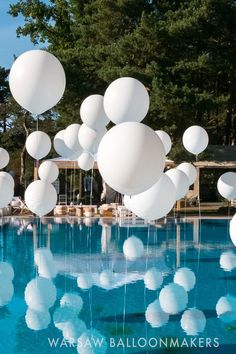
(117, 309)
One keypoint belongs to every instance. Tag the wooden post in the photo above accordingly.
(196, 187)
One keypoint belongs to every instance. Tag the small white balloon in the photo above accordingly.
(155, 316)
(106, 278)
(40, 197)
(60, 146)
(73, 329)
(63, 315)
(73, 301)
(195, 139)
(6, 291)
(226, 185)
(38, 145)
(4, 158)
(232, 229)
(189, 170)
(37, 81)
(85, 281)
(71, 138)
(153, 279)
(40, 294)
(89, 138)
(228, 261)
(8, 176)
(154, 203)
(126, 100)
(193, 322)
(186, 278)
(6, 191)
(226, 308)
(6, 271)
(131, 158)
(87, 343)
(166, 140)
(180, 181)
(86, 161)
(48, 171)
(133, 248)
(37, 320)
(173, 299)
(92, 112)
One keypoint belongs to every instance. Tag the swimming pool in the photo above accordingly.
(116, 309)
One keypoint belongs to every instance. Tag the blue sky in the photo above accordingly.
(9, 43)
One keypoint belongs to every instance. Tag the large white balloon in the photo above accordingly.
(86, 161)
(155, 316)
(6, 271)
(185, 277)
(131, 158)
(60, 146)
(195, 139)
(153, 279)
(226, 185)
(193, 322)
(48, 171)
(63, 315)
(180, 181)
(40, 197)
(40, 294)
(73, 301)
(226, 308)
(228, 261)
(232, 230)
(173, 299)
(4, 158)
(6, 291)
(8, 176)
(92, 112)
(89, 138)
(37, 320)
(6, 191)
(37, 81)
(126, 100)
(189, 170)
(133, 248)
(71, 138)
(85, 281)
(72, 330)
(166, 140)
(154, 203)
(38, 145)
(88, 343)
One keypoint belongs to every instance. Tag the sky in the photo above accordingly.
(10, 45)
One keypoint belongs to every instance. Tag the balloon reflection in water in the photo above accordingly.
(92, 342)
(72, 301)
(85, 281)
(63, 315)
(173, 298)
(133, 248)
(193, 321)
(44, 260)
(6, 286)
(37, 320)
(226, 308)
(153, 279)
(228, 261)
(73, 329)
(186, 278)
(155, 316)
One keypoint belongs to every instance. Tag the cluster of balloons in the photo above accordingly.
(6, 180)
(6, 286)
(43, 258)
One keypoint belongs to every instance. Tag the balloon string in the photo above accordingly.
(199, 248)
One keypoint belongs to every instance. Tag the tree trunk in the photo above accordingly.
(23, 153)
(230, 115)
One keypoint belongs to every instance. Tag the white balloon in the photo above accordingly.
(173, 298)
(37, 81)
(84, 281)
(166, 140)
(4, 158)
(38, 145)
(37, 320)
(155, 202)
(228, 261)
(89, 138)
(40, 197)
(6, 191)
(72, 330)
(71, 138)
(87, 343)
(195, 139)
(40, 294)
(106, 278)
(226, 308)
(180, 181)
(155, 316)
(48, 171)
(60, 146)
(63, 315)
(226, 185)
(153, 279)
(189, 170)
(186, 278)
(47, 269)
(92, 112)
(86, 161)
(73, 301)
(193, 322)
(8, 176)
(232, 230)
(125, 100)
(133, 248)
(6, 271)
(6, 290)
(131, 158)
